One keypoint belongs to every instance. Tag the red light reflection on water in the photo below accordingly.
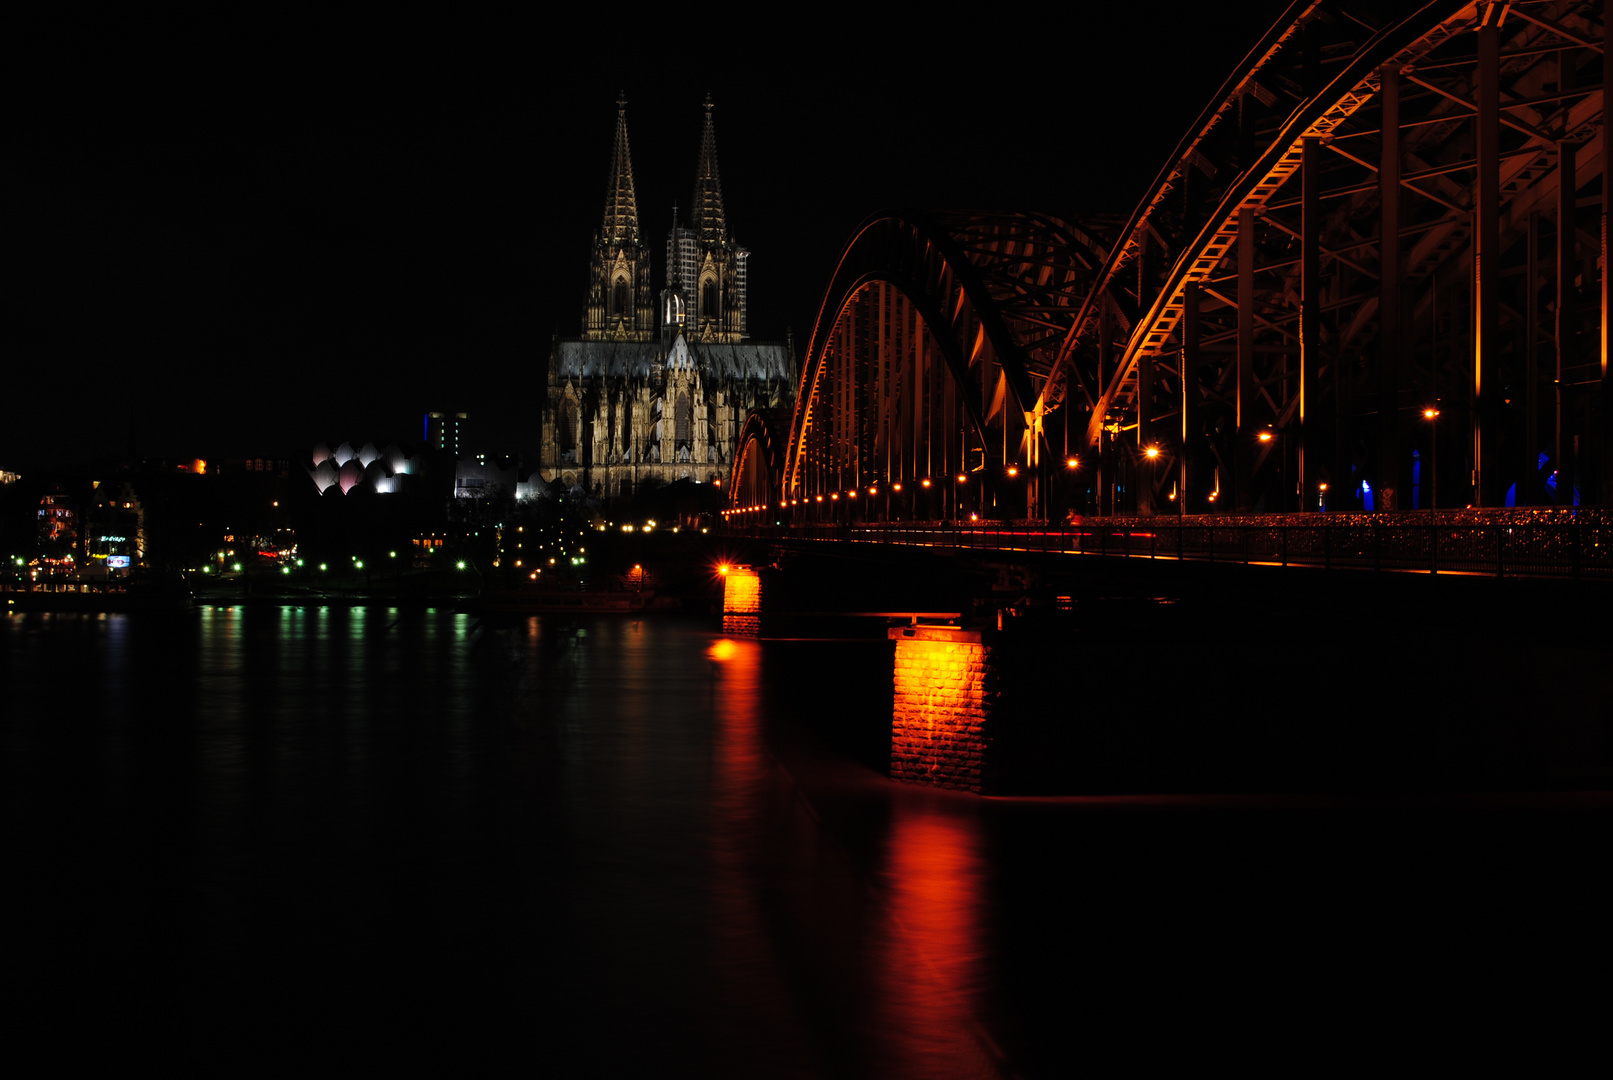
(932, 952)
(743, 833)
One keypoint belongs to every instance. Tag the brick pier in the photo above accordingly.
(741, 602)
(941, 719)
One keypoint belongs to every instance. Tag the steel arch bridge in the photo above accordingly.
(1370, 276)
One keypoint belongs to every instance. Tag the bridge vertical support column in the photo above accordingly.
(941, 719)
(1488, 489)
(1308, 455)
(1389, 465)
(1190, 394)
(1144, 482)
(1600, 491)
(1105, 478)
(1528, 470)
(1243, 466)
(1563, 443)
(741, 602)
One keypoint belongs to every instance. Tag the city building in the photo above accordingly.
(444, 431)
(657, 386)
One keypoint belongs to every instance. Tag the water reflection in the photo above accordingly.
(617, 846)
(930, 966)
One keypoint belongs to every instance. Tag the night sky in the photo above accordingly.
(242, 238)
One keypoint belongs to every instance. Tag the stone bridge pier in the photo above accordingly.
(741, 601)
(946, 692)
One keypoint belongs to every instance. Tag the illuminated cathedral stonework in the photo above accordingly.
(659, 395)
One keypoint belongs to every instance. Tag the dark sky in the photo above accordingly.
(243, 238)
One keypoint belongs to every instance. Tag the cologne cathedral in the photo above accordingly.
(657, 387)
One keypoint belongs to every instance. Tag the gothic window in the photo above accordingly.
(683, 431)
(568, 425)
(619, 300)
(708, 297)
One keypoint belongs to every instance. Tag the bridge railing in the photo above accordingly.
(1515, 546)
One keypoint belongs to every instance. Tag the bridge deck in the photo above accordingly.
(1497, 544)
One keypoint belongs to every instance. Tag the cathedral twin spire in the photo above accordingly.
(621, 204)
(705, 271)
(706, 210)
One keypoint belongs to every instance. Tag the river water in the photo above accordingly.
(269, 836)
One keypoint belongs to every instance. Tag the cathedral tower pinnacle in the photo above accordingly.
(706, 210)
(621, 204)
(705, 269)
(621, 304)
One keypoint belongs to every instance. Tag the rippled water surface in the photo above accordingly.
(377, 836)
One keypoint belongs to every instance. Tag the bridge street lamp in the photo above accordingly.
(1151, 455)
(1431, 414)
(1268, 435)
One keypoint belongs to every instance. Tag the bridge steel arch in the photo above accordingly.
(1370, 276)
(921, 392)
(758, 467)
(1381, 248)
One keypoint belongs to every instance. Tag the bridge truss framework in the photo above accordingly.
(1371, 276)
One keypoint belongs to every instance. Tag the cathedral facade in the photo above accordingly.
(657, 386)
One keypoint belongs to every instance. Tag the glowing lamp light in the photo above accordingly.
(834, 495)
(722, 568)
(896, 487)
(1264, 436)
(1151, 453)
(852, 494)
(820, 498)
(974, 517)
(1072, 463)
(925, 482)
(1013, 470)
(461, 564)
(1429, 414)
(962, 478)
